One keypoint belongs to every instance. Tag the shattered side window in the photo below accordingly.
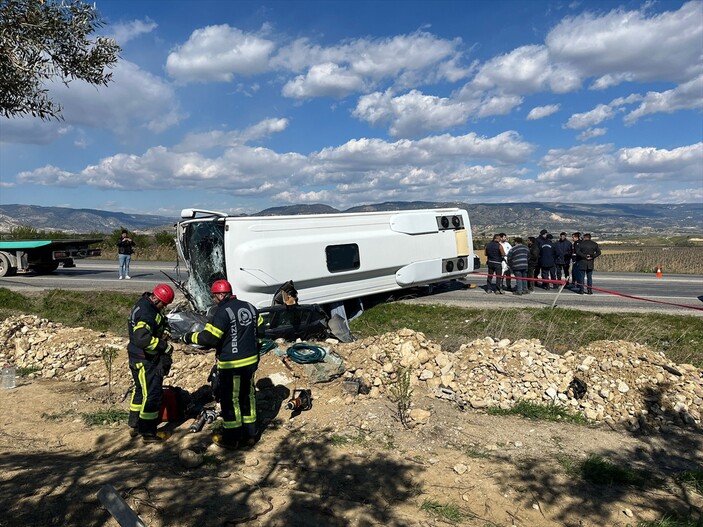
(204, 248)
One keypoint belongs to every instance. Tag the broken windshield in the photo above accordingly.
(203, 247)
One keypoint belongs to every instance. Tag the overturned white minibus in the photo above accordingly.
(331, 258)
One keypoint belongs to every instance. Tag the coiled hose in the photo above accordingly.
(304, 353)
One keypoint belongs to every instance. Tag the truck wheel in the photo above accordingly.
(5, 268)
(46, 268)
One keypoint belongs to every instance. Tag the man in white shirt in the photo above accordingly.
(506, 270)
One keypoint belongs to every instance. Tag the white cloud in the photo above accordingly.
(600, 173)
(30, 130)
(134, 100)
(590, 133)
(359, 65)
(527, 69)
(218, 53)
(616, 47)
(630, 45)
(126, 31)
(498, 104)
(204, 141)
(328, 80)
(540, 112)
(363, 167)
(684, 97)
(600, 113)
(682, 163)
(412, 113)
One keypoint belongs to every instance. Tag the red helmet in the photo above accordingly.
(221, 286)
(164, 293)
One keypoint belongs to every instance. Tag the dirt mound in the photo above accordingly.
(348, 461)
(617, 382)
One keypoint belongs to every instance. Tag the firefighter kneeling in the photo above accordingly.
(149, 360)
(233, 334)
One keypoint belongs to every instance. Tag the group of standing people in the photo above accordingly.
(232, 332)
(541, 262)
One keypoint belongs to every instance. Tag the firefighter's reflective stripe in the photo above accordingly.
(145, 395)
(229, 364)
(238, 417)
(134, 407)
(215, 332)
(153, 342)
(251, 418)
(236, 380)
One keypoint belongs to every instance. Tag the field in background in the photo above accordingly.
(629, 259)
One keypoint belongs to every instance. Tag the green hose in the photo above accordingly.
(304, 353)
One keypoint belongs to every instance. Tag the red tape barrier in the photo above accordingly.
(607, 291)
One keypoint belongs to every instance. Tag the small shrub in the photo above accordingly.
(105, 417)
(692, 479)
(400, 393)
(24, 372)
(447, 512)
(475, 452)
(543, 412)
(342, 440)
(108, 354)
(58, 416)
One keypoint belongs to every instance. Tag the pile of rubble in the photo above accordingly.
(44, 349)
(619, 383)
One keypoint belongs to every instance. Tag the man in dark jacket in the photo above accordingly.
(149, 359)
(562, 251)
(587, 251)
(494, 262)
(233, 334)
(517, 261)
(125, 248)
(576, 275)
(547, 262)
(532, 263)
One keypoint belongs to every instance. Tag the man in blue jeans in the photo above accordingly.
(125, 248)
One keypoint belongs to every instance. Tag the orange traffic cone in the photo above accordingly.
(659, 271)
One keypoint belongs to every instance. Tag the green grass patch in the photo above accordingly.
(344, 440)
(24, 372)
(599, 471)
(603, 472)
(105, 417)
(12, 301)
(476, 452)
(446, 511)
(673, 520)
(542, 412)
(59, 416)
(679, 337)
(96, 310)
(692, 479)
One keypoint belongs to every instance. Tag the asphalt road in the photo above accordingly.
(654, 294)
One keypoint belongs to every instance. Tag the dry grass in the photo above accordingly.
(675, 260)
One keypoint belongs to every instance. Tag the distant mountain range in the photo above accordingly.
(511, 218)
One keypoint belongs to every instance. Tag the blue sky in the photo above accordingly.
(238, 106)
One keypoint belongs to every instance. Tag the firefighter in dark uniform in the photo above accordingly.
(149, 360)
(233, 334)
